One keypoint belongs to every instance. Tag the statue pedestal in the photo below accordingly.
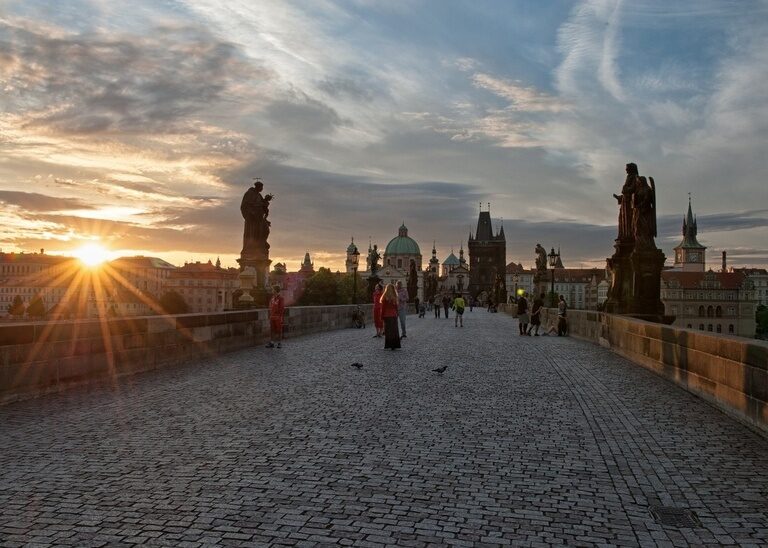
(259, 293)
(636, 286)
(372, 281)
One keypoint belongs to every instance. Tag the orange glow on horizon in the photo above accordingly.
(92, 255)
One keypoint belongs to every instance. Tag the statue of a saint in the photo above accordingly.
(625, 203)
(541, 258)
(644, 213)
(255, 209)
(413, 281)
(373, 259)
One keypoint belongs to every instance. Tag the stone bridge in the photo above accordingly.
(525, 441)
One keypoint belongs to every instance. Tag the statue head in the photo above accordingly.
(631, 169)
(258, 185)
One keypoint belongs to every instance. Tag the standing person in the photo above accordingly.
(522, 314)
(446, 305)
(422, 310)
(458, 306)
(402, 305)
(471, 302)
(377, 321)
(389, 315)
(437, 307)
(416, 302)
(276, 311)
(538, 304)
(562, 323)
(490, 304)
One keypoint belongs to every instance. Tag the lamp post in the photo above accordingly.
(355, 262)
(553, 257)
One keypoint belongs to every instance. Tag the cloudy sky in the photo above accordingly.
(141, 124)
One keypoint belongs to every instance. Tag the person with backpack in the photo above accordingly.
(458, 306)
(522, 314)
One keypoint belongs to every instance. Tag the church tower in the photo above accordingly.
(487, 255)
(351, 248)
(690, 255)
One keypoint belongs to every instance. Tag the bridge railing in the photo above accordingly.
(729, 372)
(40, 357)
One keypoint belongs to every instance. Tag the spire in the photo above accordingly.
(690, 229)
(218, 262)
(403, 231)
(501, 231)
(434, 249)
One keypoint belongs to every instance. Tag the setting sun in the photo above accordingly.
(92, 255)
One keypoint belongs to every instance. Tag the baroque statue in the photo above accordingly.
(255, 209)
(541, 258)
(373, 259)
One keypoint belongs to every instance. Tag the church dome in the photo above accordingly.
(402, 244)
(451, 260)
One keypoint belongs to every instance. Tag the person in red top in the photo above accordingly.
(378, 291)
(389, 315)
(276, 311)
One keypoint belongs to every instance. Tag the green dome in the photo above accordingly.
(402, 244)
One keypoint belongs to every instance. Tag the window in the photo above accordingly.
(719, 328)
(701, 311)
(701, 327)
(709, 327)
(730, 328)
(719, 312)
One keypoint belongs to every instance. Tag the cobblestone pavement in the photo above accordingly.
(528, 441)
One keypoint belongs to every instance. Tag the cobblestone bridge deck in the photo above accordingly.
(524, 441)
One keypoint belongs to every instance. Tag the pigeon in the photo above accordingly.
(440, 369)
(357, 365)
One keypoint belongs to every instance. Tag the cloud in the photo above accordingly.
(98, 82)
(522, 98)
(32, 201)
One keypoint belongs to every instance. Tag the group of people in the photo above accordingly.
(531, 321)
(390, 306)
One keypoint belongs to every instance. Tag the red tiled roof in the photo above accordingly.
(693, 280)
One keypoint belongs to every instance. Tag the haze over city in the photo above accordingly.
(139, 126)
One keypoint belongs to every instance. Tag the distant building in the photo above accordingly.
(581, 287)
(759, 278)
(148, 275)
(519, 280)
(205, 287)
(718, 302)
(487, 256)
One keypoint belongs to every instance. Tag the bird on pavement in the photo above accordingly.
(440, 369)
(357, 365)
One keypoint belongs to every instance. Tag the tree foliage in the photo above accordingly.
(346, 289)
(173, 303)
(17, 308)
(36, 308)
(761, 317)
(320, 289)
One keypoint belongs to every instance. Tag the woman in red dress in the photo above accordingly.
(377, 320)
(389, 315)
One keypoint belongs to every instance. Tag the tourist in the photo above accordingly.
(471, 302)
(402, 305)
(276, 311)
(562, 323)
(389, 315)
(377, 321)
(422, 310)
(458, 306)
(437, 307)
(446, 305)
(416, 303)
(538, 305)
(522, 314)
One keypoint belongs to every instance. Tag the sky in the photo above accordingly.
(141, 124)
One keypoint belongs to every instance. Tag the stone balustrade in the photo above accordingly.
(40, 357)
(729, 372)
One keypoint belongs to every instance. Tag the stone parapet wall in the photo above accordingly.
(41, 357)
(730, 372)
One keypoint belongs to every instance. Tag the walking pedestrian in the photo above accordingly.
(446, 305)
(562, 323)
(437, 307)
(538, 304)
(471, 302)
(276, 311)
(402, 305)
(389, 315)
(522, 314)
(422, 310)
(458, 307)
(378, 322)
